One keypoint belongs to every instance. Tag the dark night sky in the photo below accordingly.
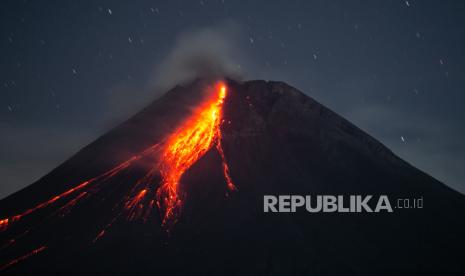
(70, 70)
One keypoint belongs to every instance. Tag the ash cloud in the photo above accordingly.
(212, 52)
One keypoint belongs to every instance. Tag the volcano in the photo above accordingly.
(179, 189)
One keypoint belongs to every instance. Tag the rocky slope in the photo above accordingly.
(276, 140)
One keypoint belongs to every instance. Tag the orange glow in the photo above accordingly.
(4, 224)
(174, 155)
(225, 166)
(70, 204)
(22, 258)
(44, 204)
(135, 205)
(100, 234)
(185, 146)
(135, 200)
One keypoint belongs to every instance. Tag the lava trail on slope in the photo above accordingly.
(185, 146)
(173, 156)
(164, 209)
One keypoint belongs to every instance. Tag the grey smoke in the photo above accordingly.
(210, 52)
(202, 52)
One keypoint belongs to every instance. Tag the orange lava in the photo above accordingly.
(4, 223)
(70, 204)
(100, 234)
(22, 258)
(225, 166)
(186, 145)
(175, 154)
(135, 206)
(41, 205)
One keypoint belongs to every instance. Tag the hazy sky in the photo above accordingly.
(70, 70)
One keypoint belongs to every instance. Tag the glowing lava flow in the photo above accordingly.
(177, 153)
(6, 222)
(24, 257)
(174, 155)
(185, 146)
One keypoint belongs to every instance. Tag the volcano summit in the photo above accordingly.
(179, 187)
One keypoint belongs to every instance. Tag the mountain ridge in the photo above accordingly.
(276, 140)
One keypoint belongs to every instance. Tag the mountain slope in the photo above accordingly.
(276, 140)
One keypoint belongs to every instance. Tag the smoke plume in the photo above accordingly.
(201, 53)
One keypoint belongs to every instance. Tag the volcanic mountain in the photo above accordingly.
(179, 189)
